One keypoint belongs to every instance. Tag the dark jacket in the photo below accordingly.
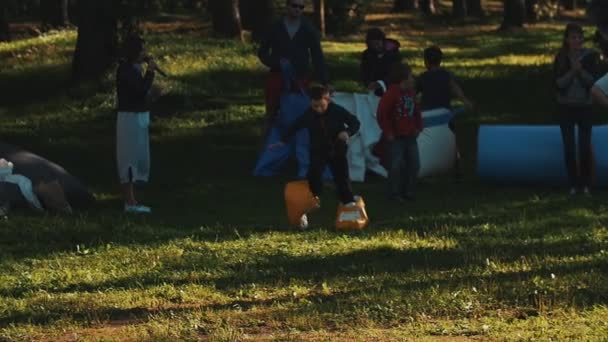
(324, 128)
(132, 88)
(298, 51)
(374, 68)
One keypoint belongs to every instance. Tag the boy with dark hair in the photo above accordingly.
(330, 126)
(437, 87)
(377, 59)
(401, 122)
(132, 140)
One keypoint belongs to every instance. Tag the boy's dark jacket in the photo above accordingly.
(306, 43)
(324, 128)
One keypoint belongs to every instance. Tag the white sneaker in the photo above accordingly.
(586, 191)
(572, 191)
(303, 222)
(350, 204)
(137, 209)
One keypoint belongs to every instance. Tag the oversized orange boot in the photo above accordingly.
(352, 217)
(299, 201)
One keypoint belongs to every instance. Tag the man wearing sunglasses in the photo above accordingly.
(295, 41)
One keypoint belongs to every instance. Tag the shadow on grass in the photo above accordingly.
(388, 273)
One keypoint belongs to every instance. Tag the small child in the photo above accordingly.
(330, 126)
(377, 59)
(437, 87)
(132, 140)
(401, 122)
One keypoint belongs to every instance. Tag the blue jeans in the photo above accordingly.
(404, 164)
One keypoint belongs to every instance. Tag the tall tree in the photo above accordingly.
(236, 14)
(226, 17)
(320, 16)
(474, 8)
(514, 14)
(257, 16)
(459, 8)
(427, 6)
(5, 32)
(570, 4)
(531, 11)
(97, 42)
(404, 5)
(54, 13)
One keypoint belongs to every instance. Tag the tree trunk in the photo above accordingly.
(474, 8)
(54, 13)
(531, 12)
(97, 42)
(5, 32)
(236, 15)
(226, 17)
(427, 6)
(404, 5)
(459, 9)
(514, 14)
(320, 16)
(257, 16)
(570, 4)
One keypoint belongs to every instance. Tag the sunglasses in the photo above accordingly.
(296, 6)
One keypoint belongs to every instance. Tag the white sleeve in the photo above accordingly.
(602, 84)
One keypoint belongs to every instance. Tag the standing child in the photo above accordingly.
(575, 70)
(132, 141)
(330, 127)
(437, 87)
(401, 122)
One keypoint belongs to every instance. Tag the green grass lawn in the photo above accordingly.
(216, 260)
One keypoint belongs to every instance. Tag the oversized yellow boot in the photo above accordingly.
(299, 201)
(352, 217)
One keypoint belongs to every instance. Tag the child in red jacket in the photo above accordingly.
(401, 122)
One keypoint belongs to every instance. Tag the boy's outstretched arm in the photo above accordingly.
(351, 121)
(459, 94)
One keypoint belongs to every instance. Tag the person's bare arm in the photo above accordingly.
(599, 96)
(459, 94)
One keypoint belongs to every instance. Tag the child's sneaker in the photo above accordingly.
(572, 191)
(350, 204)
(586, 191)
(137, 209)
(303, 222)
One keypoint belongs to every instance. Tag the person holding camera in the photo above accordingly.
(575, 71)
(133, 87)
(292, 39)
